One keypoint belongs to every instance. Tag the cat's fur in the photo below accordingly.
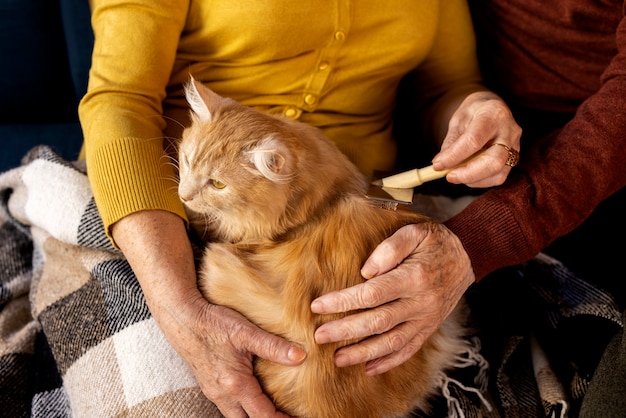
(292, 223)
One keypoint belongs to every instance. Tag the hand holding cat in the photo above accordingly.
(482, 120)
(217, 342)
(416, 278)
(220, 351)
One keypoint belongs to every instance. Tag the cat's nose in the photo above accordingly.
(183, 199)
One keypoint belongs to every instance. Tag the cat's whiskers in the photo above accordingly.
(208, 219)
(177, 122)
(173, 188)
(174, 164)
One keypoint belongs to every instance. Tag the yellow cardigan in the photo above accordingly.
(335, 64)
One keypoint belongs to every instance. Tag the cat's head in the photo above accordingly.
(249, 175)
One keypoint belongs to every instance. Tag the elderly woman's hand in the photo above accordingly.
(216, 342)
(416, 278)
(481, 122)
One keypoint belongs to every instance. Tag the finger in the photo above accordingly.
(375, 292)
(457, 151)
(466, 137)
(373, 321)
(359, 325)
(250, 400)
(486, 119)
(229, 393)
(232, 412)
(384, 364)
(488, 169)
(362, 296)
(260, 405)
(401, 339)
(246, 338)
(273, 348)
(392, 251)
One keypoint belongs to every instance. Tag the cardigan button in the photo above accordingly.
(291, 112)
(310, 99)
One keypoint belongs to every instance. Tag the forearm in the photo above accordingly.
(556, 188)
(155, 244)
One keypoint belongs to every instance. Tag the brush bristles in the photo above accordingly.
(386, 204)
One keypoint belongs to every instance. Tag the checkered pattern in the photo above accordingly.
(77, 339)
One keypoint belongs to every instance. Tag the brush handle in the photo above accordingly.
(419, 176)
(413, 178)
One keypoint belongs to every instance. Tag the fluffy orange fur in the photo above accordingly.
(286, 218)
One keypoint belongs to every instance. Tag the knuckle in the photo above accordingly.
(386, 247)
(371, 296)
(473, 140)
(397, 341)
(382, 321)
(228, 384)
(415, 343)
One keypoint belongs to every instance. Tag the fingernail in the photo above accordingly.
(436, 162)
(317, 306)
(368, 271)
(342, 360)
(296, 354)
(321, 337)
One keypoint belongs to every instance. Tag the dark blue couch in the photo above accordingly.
(45, 55)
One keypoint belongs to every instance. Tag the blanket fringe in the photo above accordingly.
(471, 357)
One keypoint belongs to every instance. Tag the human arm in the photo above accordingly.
(417, 276)
(558, 184)
(565, 175)
(504, 226)
(457, 114)
(216, 342)
(134, 186)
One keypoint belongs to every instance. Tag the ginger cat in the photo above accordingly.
(286, 219)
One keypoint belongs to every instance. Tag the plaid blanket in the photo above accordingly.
(77, 338)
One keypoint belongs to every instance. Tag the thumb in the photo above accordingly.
(391, 252)
(276, 349)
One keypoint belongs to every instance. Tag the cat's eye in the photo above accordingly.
(217, 184)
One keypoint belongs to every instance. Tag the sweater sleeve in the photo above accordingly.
(559, 183)
(121, 114)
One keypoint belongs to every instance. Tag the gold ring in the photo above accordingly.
(513, 157)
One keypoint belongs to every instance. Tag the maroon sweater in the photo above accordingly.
(547, 59)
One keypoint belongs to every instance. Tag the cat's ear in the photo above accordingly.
(270, 157)
(202, 100)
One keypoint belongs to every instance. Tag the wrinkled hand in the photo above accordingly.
(416, 278)
(482, 120)
(219, 345)
(216, 342)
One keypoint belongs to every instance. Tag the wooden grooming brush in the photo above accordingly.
(396, 189)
